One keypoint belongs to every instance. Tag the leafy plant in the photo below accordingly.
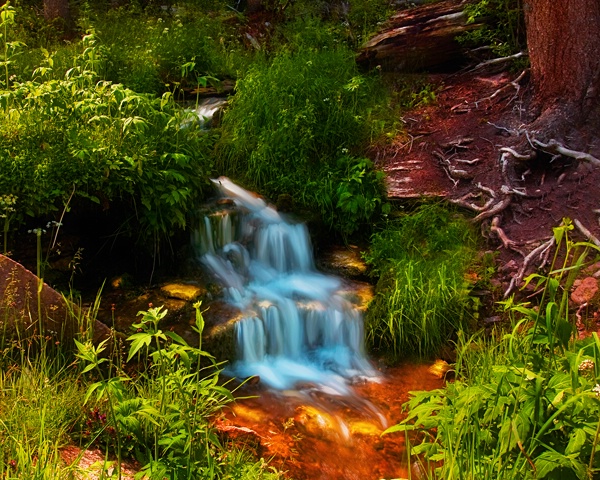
(103, 142)
(524, 404)
(291, 129)
(164, 414)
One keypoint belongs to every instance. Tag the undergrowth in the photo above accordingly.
(504, 25)
(79, 139)
(151, 398)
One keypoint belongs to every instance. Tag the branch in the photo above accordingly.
(495, 61)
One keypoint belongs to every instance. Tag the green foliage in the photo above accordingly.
(146, 51)
(422, 297)
(504, 29)
(292, 128)
(162, 417)
(350, 22)
(524, 404)
(103, 142)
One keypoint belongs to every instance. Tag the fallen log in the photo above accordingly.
(420, 38)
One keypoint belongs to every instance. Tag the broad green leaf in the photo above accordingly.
(577, 440)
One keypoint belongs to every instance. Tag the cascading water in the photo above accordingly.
(204, 112)
(297, 328)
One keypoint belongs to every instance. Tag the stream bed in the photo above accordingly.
(300, 433)
(317, 404)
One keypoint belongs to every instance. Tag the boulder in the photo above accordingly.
(29, 307)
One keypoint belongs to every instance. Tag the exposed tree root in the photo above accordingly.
(557, 148)
(499, 232)
(540, 253)
(586, 233)
(514, 84)
(495, 209)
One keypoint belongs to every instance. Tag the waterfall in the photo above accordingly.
(204, 112)
(297, 328)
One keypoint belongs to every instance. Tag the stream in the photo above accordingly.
(317, 404)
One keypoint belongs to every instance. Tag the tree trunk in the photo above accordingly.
(57, 9)
(563, 38)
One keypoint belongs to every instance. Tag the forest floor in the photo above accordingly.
(452, 149)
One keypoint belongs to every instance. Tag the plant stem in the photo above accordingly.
(594, 447)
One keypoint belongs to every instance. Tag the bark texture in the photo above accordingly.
(563, 38)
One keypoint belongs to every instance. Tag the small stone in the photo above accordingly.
(440, 368)
(585, 291)
(182, 291)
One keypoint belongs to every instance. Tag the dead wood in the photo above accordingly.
(419, 38)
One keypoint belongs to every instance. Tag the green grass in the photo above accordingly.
(422, 296)
(156, 409)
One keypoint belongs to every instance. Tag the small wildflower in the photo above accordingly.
(586, 365)
(596, 390)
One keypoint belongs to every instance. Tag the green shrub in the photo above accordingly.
(145, 52)
(351, 22)
(163, 417)
(504, 29)
(422, 297)
(100, 142)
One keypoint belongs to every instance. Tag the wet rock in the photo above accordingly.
(359, 294)
(183, 291)
(440, 368)
(364, 428)
(585, 290)
(345, 261)
(316, 423)
(27, 311)
(240, 436)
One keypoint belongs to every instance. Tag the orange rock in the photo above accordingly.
(585, 291)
